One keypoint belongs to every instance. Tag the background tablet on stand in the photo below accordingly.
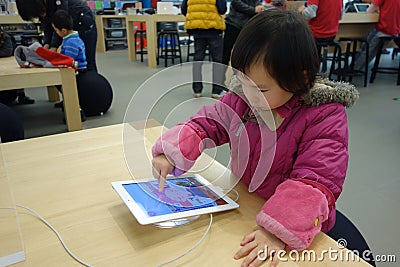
(182, 200)
(361, 8)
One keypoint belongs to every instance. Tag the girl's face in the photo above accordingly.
(262, 90)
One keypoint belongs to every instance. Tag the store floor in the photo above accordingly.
(370, 198)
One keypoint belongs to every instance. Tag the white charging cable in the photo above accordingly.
(54, 230)
(88, 265)
(204, 235)
(193, 247)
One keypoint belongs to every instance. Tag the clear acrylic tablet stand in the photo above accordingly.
(11, 243)
(177, 222)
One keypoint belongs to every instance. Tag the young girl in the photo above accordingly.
(300, 172)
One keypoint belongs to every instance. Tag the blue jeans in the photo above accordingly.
(373, 41)
(215, 47)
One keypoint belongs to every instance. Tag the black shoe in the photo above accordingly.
(59, 104)
(25, 100)
(385, 51)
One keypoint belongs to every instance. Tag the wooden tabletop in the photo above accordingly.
(12, 76)
(14, 19)
(67, 179)
(359, 18)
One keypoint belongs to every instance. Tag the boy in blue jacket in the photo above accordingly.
(72, 44)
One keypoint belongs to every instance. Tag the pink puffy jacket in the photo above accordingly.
(299, 168)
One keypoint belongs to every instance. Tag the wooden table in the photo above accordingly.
(351, 25)
(14, 77)
(67, 179)
(14, 19)
(357, 24)
(151, 34)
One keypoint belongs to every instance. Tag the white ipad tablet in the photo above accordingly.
(361, 8)
(182, 197)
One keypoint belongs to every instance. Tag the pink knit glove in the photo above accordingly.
(294, 213)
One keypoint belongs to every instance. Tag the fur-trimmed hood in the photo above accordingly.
(324, 91)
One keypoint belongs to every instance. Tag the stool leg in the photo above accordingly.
(173, 54)
(398, 75)
(338, 57)
(158, 49)
(179, 48)
(376, 63)
(166, 51)
(353, 55)
(332, 64)
(324, 62)
(337, 54)
(346, 68)
(141, 46)
(135, 38)
(366, 63)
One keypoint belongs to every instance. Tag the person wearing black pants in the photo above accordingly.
(240, 12)
(207, 26)
(230, 36)
(83, 22)
(215, 47)
(89, 38)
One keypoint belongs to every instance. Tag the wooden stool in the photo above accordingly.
(141, 33)
(350, 55)
(323, 48)
(169, 46)
(382, 41)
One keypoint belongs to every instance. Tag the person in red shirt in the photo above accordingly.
(323, 19)
(388, 25)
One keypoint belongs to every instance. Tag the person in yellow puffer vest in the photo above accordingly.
(205, 23)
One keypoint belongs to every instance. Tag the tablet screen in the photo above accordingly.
(361, 8)
(179, 195)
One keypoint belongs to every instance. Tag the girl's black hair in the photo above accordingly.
(62, 20)
(31, 9)
(283, 43)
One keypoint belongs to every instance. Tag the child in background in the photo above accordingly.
(72, 44)
(303, 177)
(83, 22)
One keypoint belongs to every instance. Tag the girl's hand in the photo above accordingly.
(161, 168)
(253, 246)
(46, 46)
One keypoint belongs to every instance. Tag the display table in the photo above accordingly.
(14, 77)
(67, 178)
